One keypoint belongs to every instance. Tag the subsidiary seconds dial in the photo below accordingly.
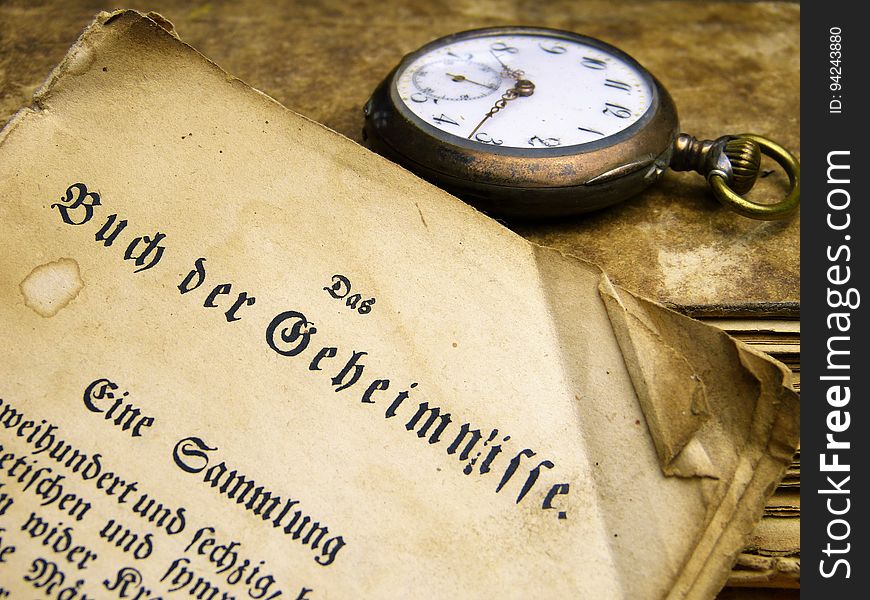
(525, 90)
(475, 80)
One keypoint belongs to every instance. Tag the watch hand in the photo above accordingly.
(514, 73)
(464, 78)
(524, 87)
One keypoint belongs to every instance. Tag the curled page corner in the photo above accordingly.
(671, 393)
(674, 381)
(727, 415)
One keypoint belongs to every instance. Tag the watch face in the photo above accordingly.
(526, 89)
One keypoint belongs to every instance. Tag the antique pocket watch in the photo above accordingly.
(524, 121)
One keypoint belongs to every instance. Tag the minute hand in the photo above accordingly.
(524, 87)
(513, 73)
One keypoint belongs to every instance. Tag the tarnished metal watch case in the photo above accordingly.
(519, 182)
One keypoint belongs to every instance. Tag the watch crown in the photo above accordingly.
(745, 157)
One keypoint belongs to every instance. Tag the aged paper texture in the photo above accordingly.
(244, 357)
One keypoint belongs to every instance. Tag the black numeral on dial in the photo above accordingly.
(616, 110)
(595, 131)
(444, 119)
(502, 47)
(485, 138)
(546, 142)
(617, 85)
(553, 48)
(593, 63)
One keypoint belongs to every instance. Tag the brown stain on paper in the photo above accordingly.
(52, 286)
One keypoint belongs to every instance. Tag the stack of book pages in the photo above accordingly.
(771, 561)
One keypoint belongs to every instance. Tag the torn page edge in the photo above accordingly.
(77, 60)
(73, 60)
(703, 575)
(762, 460)
(673, 398)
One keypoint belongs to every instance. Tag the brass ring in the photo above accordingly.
(754, 210)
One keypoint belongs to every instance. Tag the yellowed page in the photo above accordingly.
(244, 357)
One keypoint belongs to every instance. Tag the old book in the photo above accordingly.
(243, 356)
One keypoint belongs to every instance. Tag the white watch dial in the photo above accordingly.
(580, 93)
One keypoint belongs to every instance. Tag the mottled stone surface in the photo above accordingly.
(731, 67)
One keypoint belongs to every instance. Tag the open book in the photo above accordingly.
(243, 356)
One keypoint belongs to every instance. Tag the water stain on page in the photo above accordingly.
(52, 286)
